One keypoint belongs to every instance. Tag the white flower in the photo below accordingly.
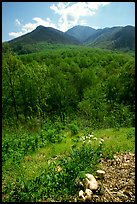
(94, 138)
(90, 135)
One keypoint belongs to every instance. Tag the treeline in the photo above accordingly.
(87, 84)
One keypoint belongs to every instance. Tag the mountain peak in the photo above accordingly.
(46, 34)
(40, 27)
(81, 32)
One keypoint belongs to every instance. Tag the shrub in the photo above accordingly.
(74, 128)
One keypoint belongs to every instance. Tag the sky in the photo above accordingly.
(19, 18)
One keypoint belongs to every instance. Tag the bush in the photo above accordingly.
(74, 128)
(52, 132)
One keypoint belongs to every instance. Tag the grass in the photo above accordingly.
(117, 140)
(45, 159)
(32, 165)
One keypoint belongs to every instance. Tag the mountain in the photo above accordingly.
(81, 32)
(121, 38)
(125, 38)
(39, 39)
(118, 37)
(45, 34)
(115, 38)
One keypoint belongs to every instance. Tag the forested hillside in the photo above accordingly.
(115, 38)
(41, 36)
(64, 109)
(94, 84)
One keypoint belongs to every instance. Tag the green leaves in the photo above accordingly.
(68, 81)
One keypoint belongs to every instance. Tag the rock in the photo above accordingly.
(131, 154)
(81, 195)
(88, 195)
(100, 174)
(91, 182)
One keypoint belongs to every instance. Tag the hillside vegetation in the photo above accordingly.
(50, 101)
(115, 38)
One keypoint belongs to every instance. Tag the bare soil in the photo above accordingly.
(118, 184)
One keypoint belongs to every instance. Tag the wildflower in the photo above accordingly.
(94, 138)
(102, 140)
(90, 136)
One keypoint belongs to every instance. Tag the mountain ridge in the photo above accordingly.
(117, 37)
(48, 34)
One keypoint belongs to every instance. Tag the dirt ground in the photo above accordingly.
(118, 184)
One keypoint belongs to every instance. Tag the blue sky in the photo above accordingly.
(19, 18)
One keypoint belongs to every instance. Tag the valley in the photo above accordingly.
(68, 109)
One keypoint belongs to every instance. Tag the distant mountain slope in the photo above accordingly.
(81, 32)
(103, 34)
(113, 38)
(125, 38)
(117, 37)
(45, 34)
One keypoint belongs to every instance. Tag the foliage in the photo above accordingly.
(58, 177)
(52, 183)
(48, 97)
(69, 81)
(73, 126)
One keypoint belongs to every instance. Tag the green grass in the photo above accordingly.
(32, 165)
(117, 140)
(43, 161)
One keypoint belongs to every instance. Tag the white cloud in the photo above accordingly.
(15, 34)
(28, 27)
(70, 15)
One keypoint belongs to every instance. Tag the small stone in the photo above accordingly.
(91, 182)
(88, 195)
(81, 195)
(100, 174)
(131, 154)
